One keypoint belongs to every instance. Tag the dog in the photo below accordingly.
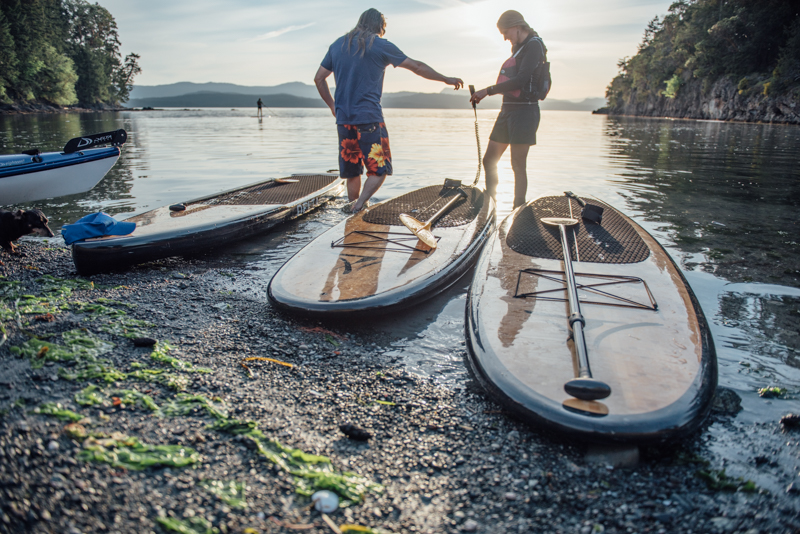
(16, 224)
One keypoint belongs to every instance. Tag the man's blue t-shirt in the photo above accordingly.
(359, 80)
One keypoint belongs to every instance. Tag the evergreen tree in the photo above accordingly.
(756, 44)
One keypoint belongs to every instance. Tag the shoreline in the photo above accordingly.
(45, 108)
(449, 459)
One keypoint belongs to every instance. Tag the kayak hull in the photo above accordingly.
(25, 178)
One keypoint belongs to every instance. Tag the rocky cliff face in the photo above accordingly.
(721, 102)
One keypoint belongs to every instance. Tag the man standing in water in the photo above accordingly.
(358, 61)
(259, 104)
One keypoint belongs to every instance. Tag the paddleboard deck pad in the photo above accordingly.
(197, 226)
(370, 263)
(646, 335)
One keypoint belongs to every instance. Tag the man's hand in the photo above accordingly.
(478, 96)
(457, 83)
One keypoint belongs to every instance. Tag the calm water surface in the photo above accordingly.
(723, 198)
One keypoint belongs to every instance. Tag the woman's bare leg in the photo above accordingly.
(519, 162)
(493, 153)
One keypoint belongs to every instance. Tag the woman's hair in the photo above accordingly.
(371, 24)
(511, 19)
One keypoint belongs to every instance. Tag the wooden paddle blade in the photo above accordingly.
(286, 180)
(419, 229)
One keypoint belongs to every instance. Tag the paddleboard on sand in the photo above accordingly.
(199, 225)
(646, 336)
(371, 263)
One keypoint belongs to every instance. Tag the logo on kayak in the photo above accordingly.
(86, 141)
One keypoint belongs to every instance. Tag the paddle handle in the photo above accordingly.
(570, 194)
(576, 320)
(446, 207)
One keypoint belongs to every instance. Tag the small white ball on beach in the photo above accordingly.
(325, 501)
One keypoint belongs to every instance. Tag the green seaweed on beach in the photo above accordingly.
(62, 287)
(193, 525)
(772, 392)
(126, 326)
(58, 411)
(171, 380)
(229, 491)
(161, 354)
(718, 480)
(96, 311)
(99, 370)
(128, 452)
(185, 403)
(91, 395)
(311, 472)
(131, 397)
(79, 345)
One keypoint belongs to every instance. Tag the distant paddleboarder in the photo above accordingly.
(519, 82)
(358, 61)
(260, 113)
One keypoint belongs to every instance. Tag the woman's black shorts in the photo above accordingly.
(516, 124)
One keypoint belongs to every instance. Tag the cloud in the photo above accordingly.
(276, 33)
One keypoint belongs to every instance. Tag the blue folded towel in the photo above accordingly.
(95, 225)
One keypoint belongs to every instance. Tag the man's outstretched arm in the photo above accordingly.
(321, 81)
(421, 69)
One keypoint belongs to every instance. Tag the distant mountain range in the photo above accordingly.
(301, 95)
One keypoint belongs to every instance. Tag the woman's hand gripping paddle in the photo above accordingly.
(423, 229)
(583, 387)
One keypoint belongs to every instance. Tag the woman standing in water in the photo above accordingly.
(518, 120)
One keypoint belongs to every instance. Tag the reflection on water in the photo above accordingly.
(728, 191)
(722, 197)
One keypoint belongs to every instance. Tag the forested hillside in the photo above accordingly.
(718, 59)
(62, 52)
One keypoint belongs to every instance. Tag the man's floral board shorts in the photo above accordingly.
(356, 140)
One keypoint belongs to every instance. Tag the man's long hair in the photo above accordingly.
(371, 24)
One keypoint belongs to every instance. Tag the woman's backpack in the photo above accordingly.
(541, 80)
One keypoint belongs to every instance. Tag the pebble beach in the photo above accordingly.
(170, 398)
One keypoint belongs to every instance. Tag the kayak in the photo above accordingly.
(38, 175)
(202, 224)
(371, 263)
(642, 331)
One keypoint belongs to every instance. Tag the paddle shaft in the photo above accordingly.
(446, 207)
(576, 320)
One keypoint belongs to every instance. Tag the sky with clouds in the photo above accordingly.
(268, 42)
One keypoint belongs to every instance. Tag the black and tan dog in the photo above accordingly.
(15, 224)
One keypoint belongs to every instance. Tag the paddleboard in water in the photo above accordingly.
(199, 225)
(646, 335)
(371, 263)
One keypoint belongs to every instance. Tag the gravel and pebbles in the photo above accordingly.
(448, 458)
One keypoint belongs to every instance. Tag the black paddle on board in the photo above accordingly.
(583, 387)
(115, 138)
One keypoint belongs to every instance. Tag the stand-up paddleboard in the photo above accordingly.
(631, 359)
(371, 263)
(201, 224)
